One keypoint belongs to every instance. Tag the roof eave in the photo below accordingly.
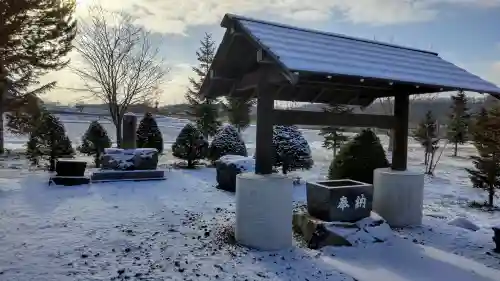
(442, 88)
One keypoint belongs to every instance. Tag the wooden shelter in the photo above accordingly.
(279, 62)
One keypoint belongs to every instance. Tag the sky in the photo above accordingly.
(464, 32)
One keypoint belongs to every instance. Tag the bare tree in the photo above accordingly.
(387, 105)
(121, 66)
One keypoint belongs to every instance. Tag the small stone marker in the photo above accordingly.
(129, 131)
(339, 200)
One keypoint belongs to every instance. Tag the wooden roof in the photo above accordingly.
(313, 66)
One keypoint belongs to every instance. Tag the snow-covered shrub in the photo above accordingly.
(190, 145)
(94, 142)
(148, 134)
(48, 141)
(358, 158)
(227, 141)
(292, 151)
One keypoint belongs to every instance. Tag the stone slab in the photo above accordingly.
(139, 175)
(69, 181)
(339, 200)
(317, 233)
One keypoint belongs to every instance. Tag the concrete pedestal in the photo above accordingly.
(398, 196)
(264, 211)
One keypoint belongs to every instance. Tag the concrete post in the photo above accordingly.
(129, 131)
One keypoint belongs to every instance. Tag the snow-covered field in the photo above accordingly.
(173, 229)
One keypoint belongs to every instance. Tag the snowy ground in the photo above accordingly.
(171, 230)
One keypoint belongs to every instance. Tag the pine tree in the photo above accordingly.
(427, 135)
(458, 122)
(28, 110)
(204, 110)
(359, 158)
(333, 137)
(48, 141)
(35, 37)
(227, 141)
(479, 120)
(190, 145)
(148, 134)
(486, 137)
(94, 142)
(292, 152)
(238, 111)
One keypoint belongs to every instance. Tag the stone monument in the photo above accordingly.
(336, 211)
(129, 128)
(129, 162)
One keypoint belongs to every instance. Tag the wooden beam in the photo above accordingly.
(251, 80)
(400, 141)
(264, 153)
(297, 117)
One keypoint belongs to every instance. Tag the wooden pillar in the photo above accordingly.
(400, 140)
(264, 153)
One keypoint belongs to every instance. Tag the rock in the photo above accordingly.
(464, 223)
(317, 233)
(314, 232)
(228, 167)
(130, 159)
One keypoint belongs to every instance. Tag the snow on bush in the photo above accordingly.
(227, 141)
(95, 141)
(358, 158)
(148, 134)
(48, 141)
(292, 151)
(190, 145)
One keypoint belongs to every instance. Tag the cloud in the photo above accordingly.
(177, 16)
(174, 16)
(175, 88)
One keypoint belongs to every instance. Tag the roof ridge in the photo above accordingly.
(237, 17)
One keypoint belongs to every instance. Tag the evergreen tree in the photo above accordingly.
(486, 138)
(190, 145)
(292, 151)
(94, 142)
(28, 111)
(48, 141)
(148, 134)
(333, 137)
(35, 37)
(359, 158)
(427, 135)
(204, 110)
(479, 120)
(227, 141)
(459, 121)
(238, 111)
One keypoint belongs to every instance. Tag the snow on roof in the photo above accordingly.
(305, 50)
